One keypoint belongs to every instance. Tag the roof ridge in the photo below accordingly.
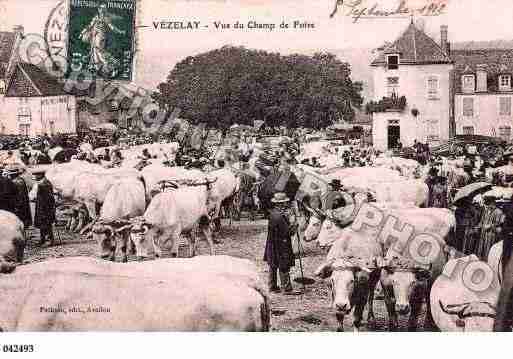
(398, 38)
(438, 47)
(414, 41)
(28, 77)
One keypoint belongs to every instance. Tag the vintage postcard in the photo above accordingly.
(252, 165)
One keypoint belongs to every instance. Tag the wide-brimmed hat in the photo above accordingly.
(335, 183)
(280, 197)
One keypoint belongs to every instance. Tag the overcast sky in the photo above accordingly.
(159, 50)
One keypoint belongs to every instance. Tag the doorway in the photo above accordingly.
(394, 135)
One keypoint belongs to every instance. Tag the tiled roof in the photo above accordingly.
(29, 80)
(7, 40)
(497, 61)
(414, 47)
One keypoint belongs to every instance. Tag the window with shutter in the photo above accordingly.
(505, 132)
(468, 107)
(505, 106)
(24, 129)
(432, 87)
(433, 130)
(468, 130)
(505, 82)
(392, 86)
(393, 62)
(468, 83)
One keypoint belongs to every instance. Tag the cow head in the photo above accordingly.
(104, 236)
(140, 238)
(471, 317)
(349, 278)
(314, 225)
(403, 277)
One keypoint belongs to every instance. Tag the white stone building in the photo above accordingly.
(483, 92)
(32, 102)
(416, 67)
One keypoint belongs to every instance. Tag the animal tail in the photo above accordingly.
(146, 194)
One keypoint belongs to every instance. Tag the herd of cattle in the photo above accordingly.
(142, 211)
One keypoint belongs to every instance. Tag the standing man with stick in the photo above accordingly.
(278, 248)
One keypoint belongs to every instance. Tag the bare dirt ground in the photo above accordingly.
(310, 311)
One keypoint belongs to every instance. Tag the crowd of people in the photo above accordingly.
(480, 221)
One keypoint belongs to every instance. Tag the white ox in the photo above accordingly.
(395, 229)
(12, 241)
(406, 167)
(125, 199)
(385, 184)
(351, 265)
(455, 307)
(91, 188)
(86, 183)
(213, 294)
(439, 221)
(223, 190)
(172, 213)
(155, 174)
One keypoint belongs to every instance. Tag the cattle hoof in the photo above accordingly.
(173, 255)
(125, 260)
(371, 322)
(340, 329)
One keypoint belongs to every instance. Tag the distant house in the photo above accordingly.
(416, 67)
(482, 81)
(31, 101)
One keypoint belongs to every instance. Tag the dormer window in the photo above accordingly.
(393, 62)
(468, 83)
(505, 82)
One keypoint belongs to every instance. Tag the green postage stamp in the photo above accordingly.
(101, 37)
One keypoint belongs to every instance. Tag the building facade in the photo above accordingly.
(32, 102)
(483, 92)
(412, 90)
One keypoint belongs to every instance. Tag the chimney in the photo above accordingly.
(443, 38)
(481, 79)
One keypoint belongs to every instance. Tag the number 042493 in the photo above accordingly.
(15, 348)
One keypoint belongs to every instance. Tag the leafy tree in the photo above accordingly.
(236, 85)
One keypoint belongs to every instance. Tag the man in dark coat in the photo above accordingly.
(7, 194)
(44, 217)
(281, 179)
(22, 205)
(278, 247)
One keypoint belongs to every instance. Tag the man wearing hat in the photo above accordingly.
(44, 217)
(7, 194)
(278, 247)
(22, 205)
(430, 181)
(492, 219)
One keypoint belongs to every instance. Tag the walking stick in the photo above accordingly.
(300, 260)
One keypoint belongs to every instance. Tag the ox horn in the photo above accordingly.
(324, 269)
(453, 309)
